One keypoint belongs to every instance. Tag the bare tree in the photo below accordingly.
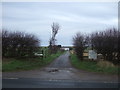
(55, 27)
(118, 55)
(79, 45)
(5, 42)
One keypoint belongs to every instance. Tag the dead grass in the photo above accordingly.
(105, 64)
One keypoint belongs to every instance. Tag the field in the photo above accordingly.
(92, 66)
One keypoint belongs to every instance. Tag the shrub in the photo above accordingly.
(18, 44)
(79, 45)
(107, 42)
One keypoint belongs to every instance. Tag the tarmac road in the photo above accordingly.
(38, 83)
(59, 73)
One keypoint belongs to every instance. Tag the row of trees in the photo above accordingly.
(18, 44)
(105, 42)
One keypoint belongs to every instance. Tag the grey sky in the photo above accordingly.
(73, 17)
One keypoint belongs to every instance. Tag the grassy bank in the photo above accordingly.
(12, 64)
(101, 66)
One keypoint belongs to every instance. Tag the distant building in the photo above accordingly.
(66, 49)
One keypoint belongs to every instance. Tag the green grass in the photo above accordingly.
(92, 66)
(27, 64)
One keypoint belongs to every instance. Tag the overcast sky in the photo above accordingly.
(36, 18)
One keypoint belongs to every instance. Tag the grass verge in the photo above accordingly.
(27, 64)
(92, 66)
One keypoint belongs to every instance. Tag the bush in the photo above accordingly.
(18, 44)
(107, 42)
(79, 45)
